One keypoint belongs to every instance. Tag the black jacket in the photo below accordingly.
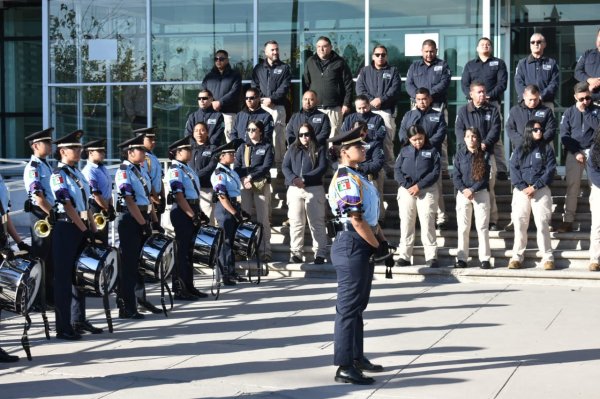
(492, 73)
(297, 163)
(242, 118)
(331, 80)
(536, 169)
(374, 123)
(542, 72)
(592, 171)
(435, 77)
(519, 116)
(384, 83)
(577, 128)
(485, 118)
(420, 167)
(214, 121)
(588, 66)
(462, 175)
(272, 81)
(431, 120)
(203, 162)
(374, 159)
(317, 119)
(261, 160)
(226, 88)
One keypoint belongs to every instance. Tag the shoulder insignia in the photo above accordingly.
(123, 166)
(35, 164)
(342, 172)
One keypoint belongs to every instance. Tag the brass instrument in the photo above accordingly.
(42, 228)
(101, 220)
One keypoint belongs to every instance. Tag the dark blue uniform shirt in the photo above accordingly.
(374, 123)
(542, 72)
(577, 128)
(273, 81)
(536, 169)
(431, 120)
(317, 119)
(384, 83)
(213, 120)
(520, 114)
(492, 73)
(435, 77)
(261, 160)
(588, 66)
(420, 167)
(242, 118)
(297, 162)
(226, 88)
(485, 118)
(462, 175)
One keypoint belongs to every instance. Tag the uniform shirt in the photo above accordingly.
(99, 179)
(298, 163)
(261, 160)
(213, 120)
(226, 88)
(462, 175)
(351, 192)
(485, 118)
(240, 123)
(317, 119)
(577, 128)
(434, 77)
(520, 114)
(4, 196)
(182, 179)
(542, 72)
(330, 78)
(374, 123)
(536, 169)
(36, 177)
(64, 188)
(384, 83)
(374, 159)
(273, 81)
(226, 181)
(588, 66)
(431, 120)
(129, 184)
(420, 167)
(203, 163)
(154, 170)
(492, 73)
(592, 171)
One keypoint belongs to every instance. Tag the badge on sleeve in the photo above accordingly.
(33, 174)
(57, 179)
(174, 174)
(123, 174)
(344, 184)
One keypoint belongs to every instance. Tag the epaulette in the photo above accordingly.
(56, 170)
(343, 171)
(35, 164)
(123, 166)
(218, 171)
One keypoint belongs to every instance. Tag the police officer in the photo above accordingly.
(154, 170)
(532, 168)
(97, 175)
(309, 114)
(135, 222)
(588, 70)
(203, 163)
(577, 127)
(304, 165)
(186, 217)
(593, 171)
(530, 108)
(355, 201)
(252, 112)
(227, 188)
(40, 204)
(207, 114)
(74, 229)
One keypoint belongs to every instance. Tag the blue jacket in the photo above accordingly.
(203, 162)
(261, 160)
(242, 118)
(420, 167)
(272, 81)
(536, 169)
(317, 119)
(592, 171)
(384, 83)
(297, 163)
(462, 176)
(485, 118)
(226, 88)
(492, 73)
(435, 77)
(374, 123)
(542, 72)
(577, 128)
(374, 159)
(431, 120)
(588, 66)
(520, 114)
(214, 121)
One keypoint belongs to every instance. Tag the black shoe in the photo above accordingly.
(239, 278)
(493, 227)
(68, 336)
(295, 259)
(198, 293)
(229, 281)
(402, 262)
(80, 327)
(185, 296)
(461, 264)
(502, 176)
(148, 306)
(442, 226)
(366, 365)
(126, 315)
(509, 227)
(353, 376)
(486, 264)
(433, 263)
(319, 260)
(6, 358)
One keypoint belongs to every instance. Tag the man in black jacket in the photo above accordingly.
(252, 112)
(311, 115)
(529, 108)
(327, 74)
(206, 114)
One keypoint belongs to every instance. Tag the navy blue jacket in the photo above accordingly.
(542, 72)
(226, 88)
(317, 119)
(577, 128)
(331, 80)
(492, 73)
(261, 160)
(592, 171)
(214, 121)
(435, 77)
(242, 118)
(462, 175)
(520, 114)
(297, 163)
(374, 123)
(374, 159)
(431, 120)
(588, 66)
(485, 118)
(536, 169)
(272, 81)
(420, 167)
(203, 162)
(384, 83)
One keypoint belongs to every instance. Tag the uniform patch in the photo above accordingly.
(426, 154)
(488, 117)
(277, 71)
(211, 121)
(367, 146)
(343, 184)
(493, 63)
(546, 67)
(123, 175)
(207, 153)
(438, 68)
(434, 119)
(370, 126)
(220, 177)
(386, 75)
(540, 114)
(260, 151)
(538, 155)
(317, 119)
(57, 179)
(174, 174)
(33, 174)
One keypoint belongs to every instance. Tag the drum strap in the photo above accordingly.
(137, 174)
(4, 220)
(193, 181)
(74, 177)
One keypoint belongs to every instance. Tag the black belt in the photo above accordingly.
(63, 217)
(193, 201)
(350, 227)
(143, 209)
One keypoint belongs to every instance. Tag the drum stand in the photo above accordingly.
(164, 285)
(259, 270)
(43, 300)
(105, 303)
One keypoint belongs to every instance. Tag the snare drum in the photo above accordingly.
(247, 239)
(18, 276)
(96, 267)
(157, 250)
(206, 245)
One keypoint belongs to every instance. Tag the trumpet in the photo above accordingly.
(42, 228)
(101, 220)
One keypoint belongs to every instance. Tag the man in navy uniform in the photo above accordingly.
(311, 115)
(207, 114)
(588, 69)
(252, 112)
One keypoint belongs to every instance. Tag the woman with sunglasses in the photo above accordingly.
(532, 168)
(253, 162)
(304, 165)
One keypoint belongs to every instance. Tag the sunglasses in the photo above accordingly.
(537, 129)
(251, 98)
(582, 99)
(251, 129)
(220, 58)
(304, 134)
(536, 42)
(380, 54)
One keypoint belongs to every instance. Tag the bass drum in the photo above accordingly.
(97, 267)
(158, 250)
(20, 280)
(206, 245)
(247, 239)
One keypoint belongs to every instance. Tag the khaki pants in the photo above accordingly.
(441, 207)
(278, 114)
(595, 229)
(307, 203)
(522, 207)
(492, 191)
(388, 143)
(574, 172)
(228, 125)
(424, 206)
(480, 204)
(258, 205)
(206, 204)
(335, 118)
